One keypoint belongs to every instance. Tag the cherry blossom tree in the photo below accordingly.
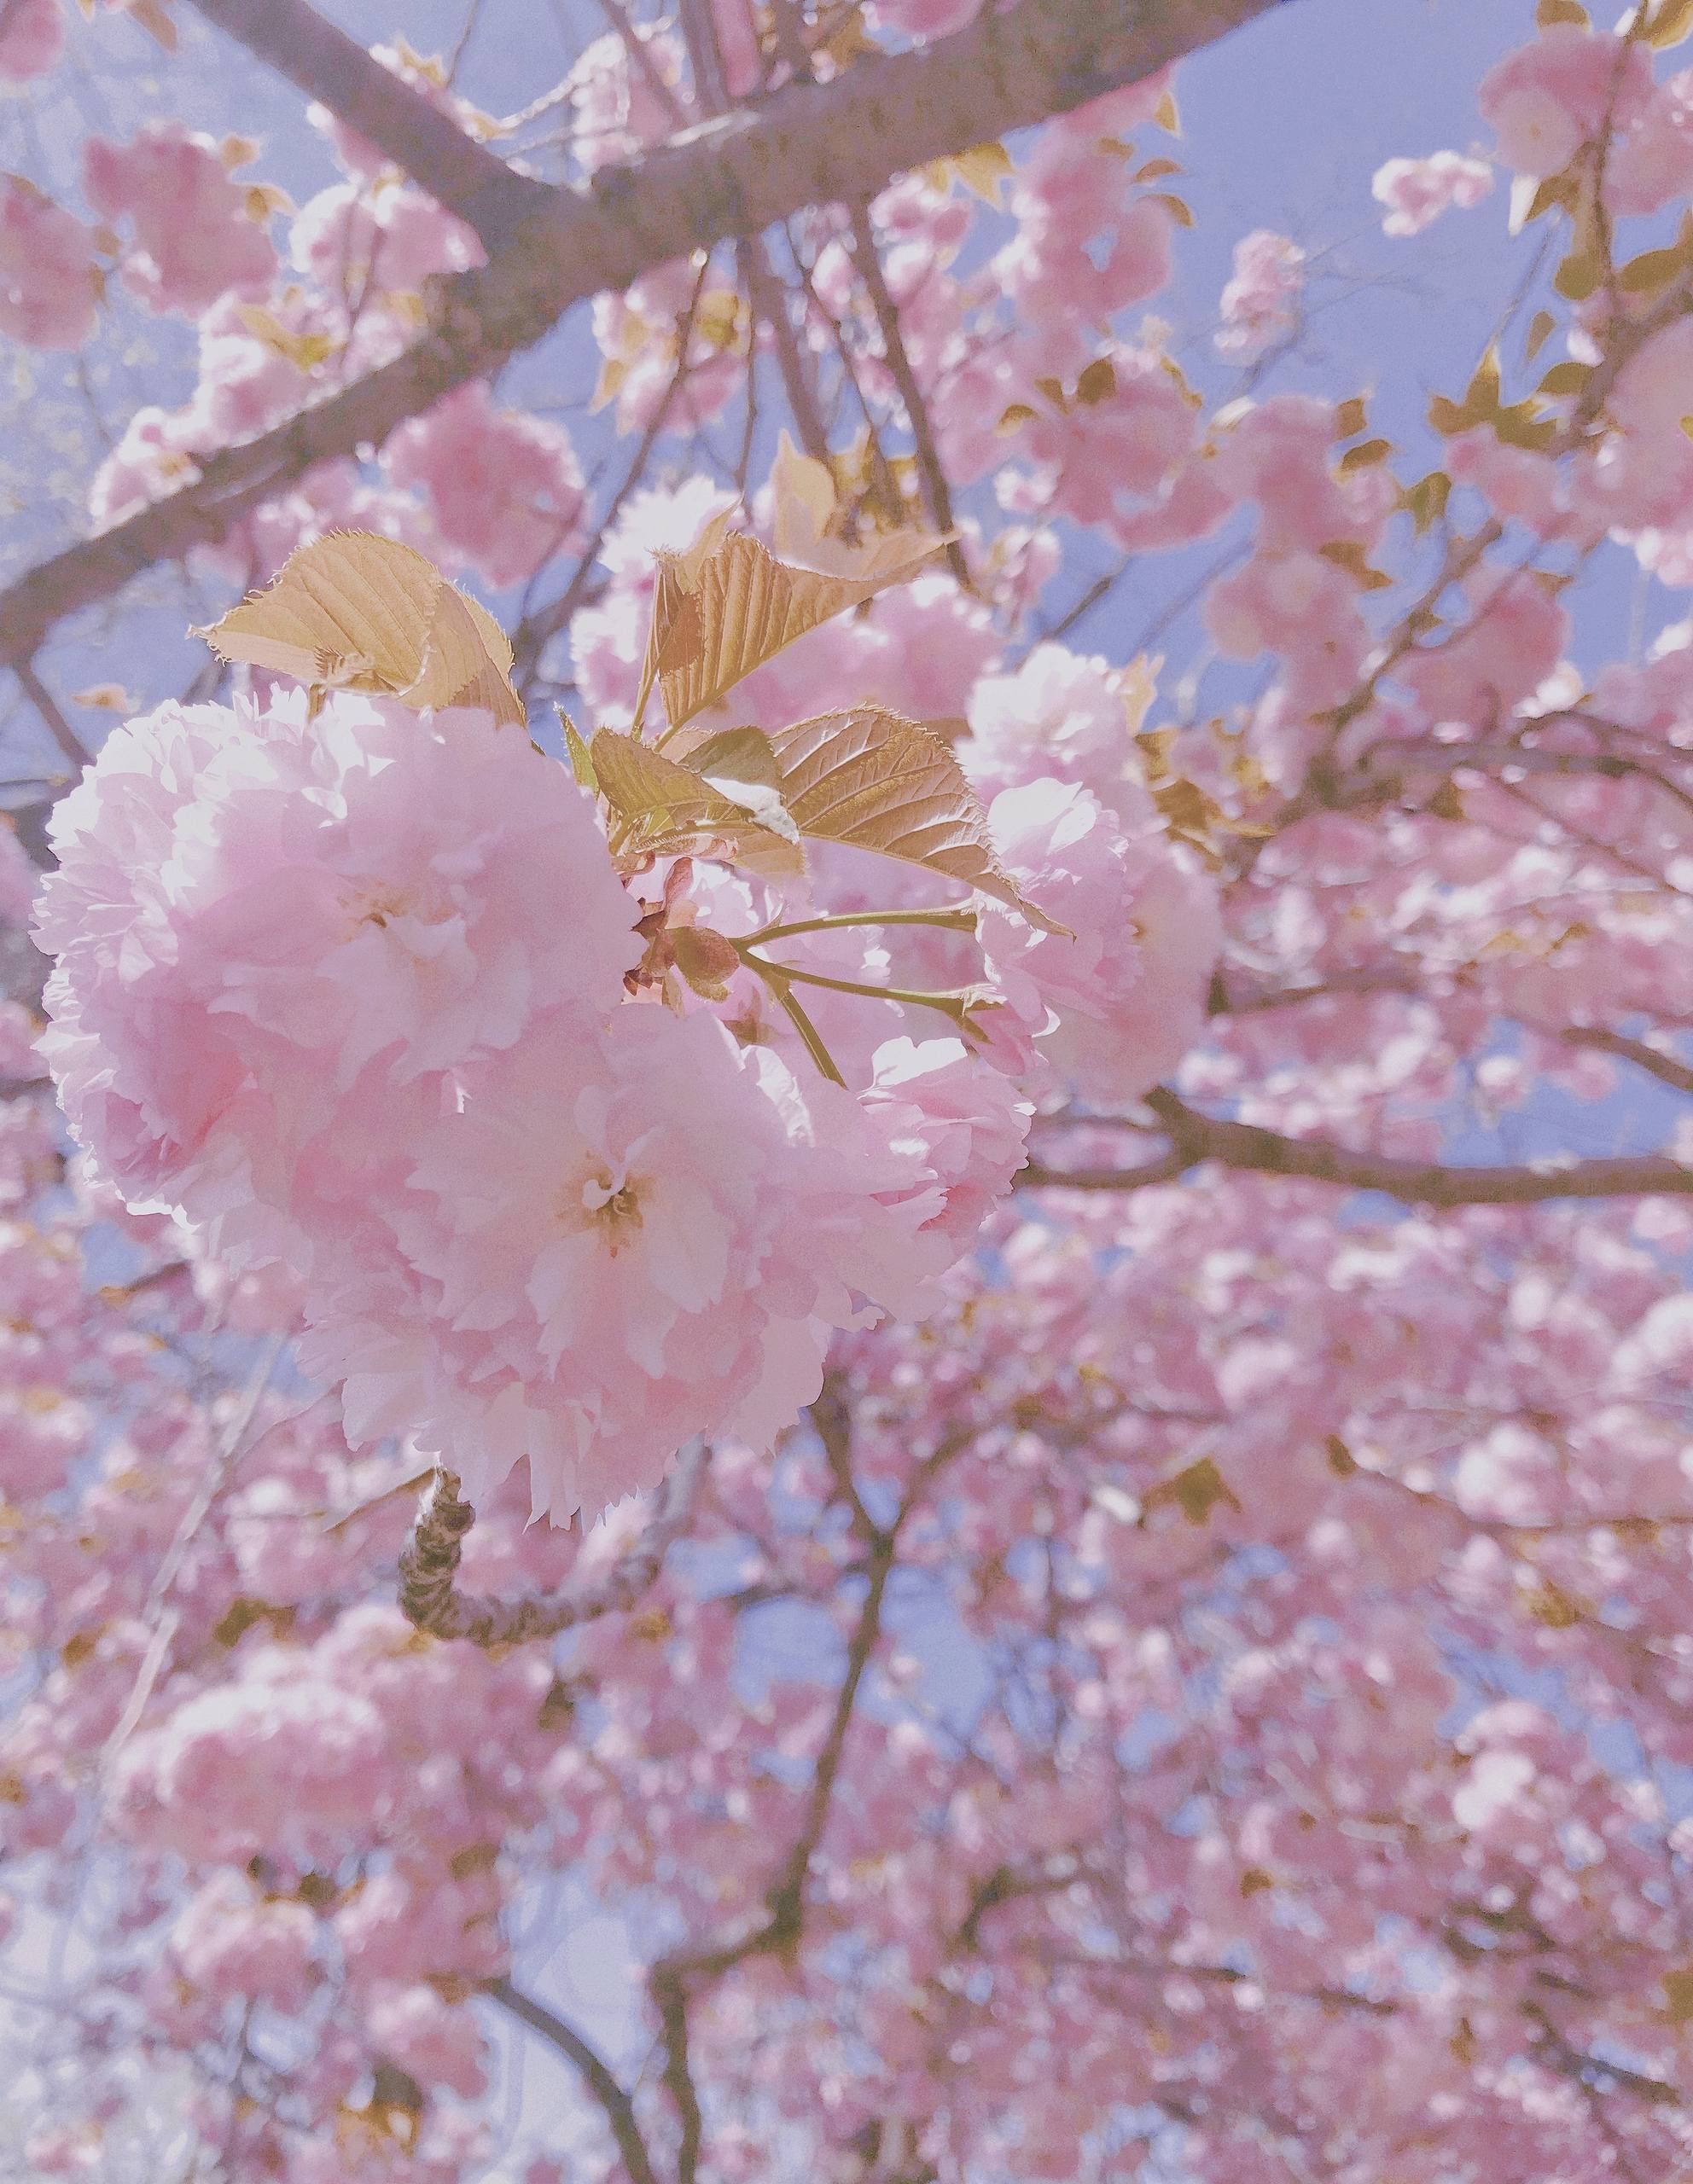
(844, 1169)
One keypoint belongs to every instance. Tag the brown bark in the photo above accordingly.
(728, 178)
(336, 70)
(428, 1568)
(1195, 1138)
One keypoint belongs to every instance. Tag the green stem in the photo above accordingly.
(959, 920)
(802, 1024)
(954, 1006)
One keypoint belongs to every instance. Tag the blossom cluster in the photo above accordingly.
(357, 996)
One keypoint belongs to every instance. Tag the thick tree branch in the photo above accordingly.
(428, 1566)
(734, 176)
(620, 2110)
(335, 70)
(1195, 1137)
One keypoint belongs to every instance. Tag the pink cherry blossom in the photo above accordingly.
(1117, 1000)
(31, 39)
(47, 274)
(193, 240)
(1416, 192)
(660, 1262)
(505, 490)
(1261, 303)
(397, 945)
(1548, 97)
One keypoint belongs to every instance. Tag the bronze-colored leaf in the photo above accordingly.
(155, 19)
(727, 606)
(667, 808)
(1178, 207)
(302, 351)
(1425, 503)
(738, 754)
(869, 780)
(1196, 1490)
(1351, 416)
(1578, 276)
(982, 169)
(1349, 555)
(1365, 456)
(1098, 382)
(706, 960)
(1653, 271)
(740, 763)
(1671, 21)
(362, 613)
(654, 794)
(581, 758)
(1564, 380)
(106, 698)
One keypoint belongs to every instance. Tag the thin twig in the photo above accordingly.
(55, 722)
(163, 1618)
(620, 2110)
(867, 255)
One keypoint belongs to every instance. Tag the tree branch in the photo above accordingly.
(867, 255)
(674, 1979)
(1653, 1060)
(1195, 1137)
(335, 70)
(428, 1567)
(809, 144)
(620, 2110)
(47, 705)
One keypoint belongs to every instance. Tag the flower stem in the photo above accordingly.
(954, 1006)
(950, 921)
(775, 979)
